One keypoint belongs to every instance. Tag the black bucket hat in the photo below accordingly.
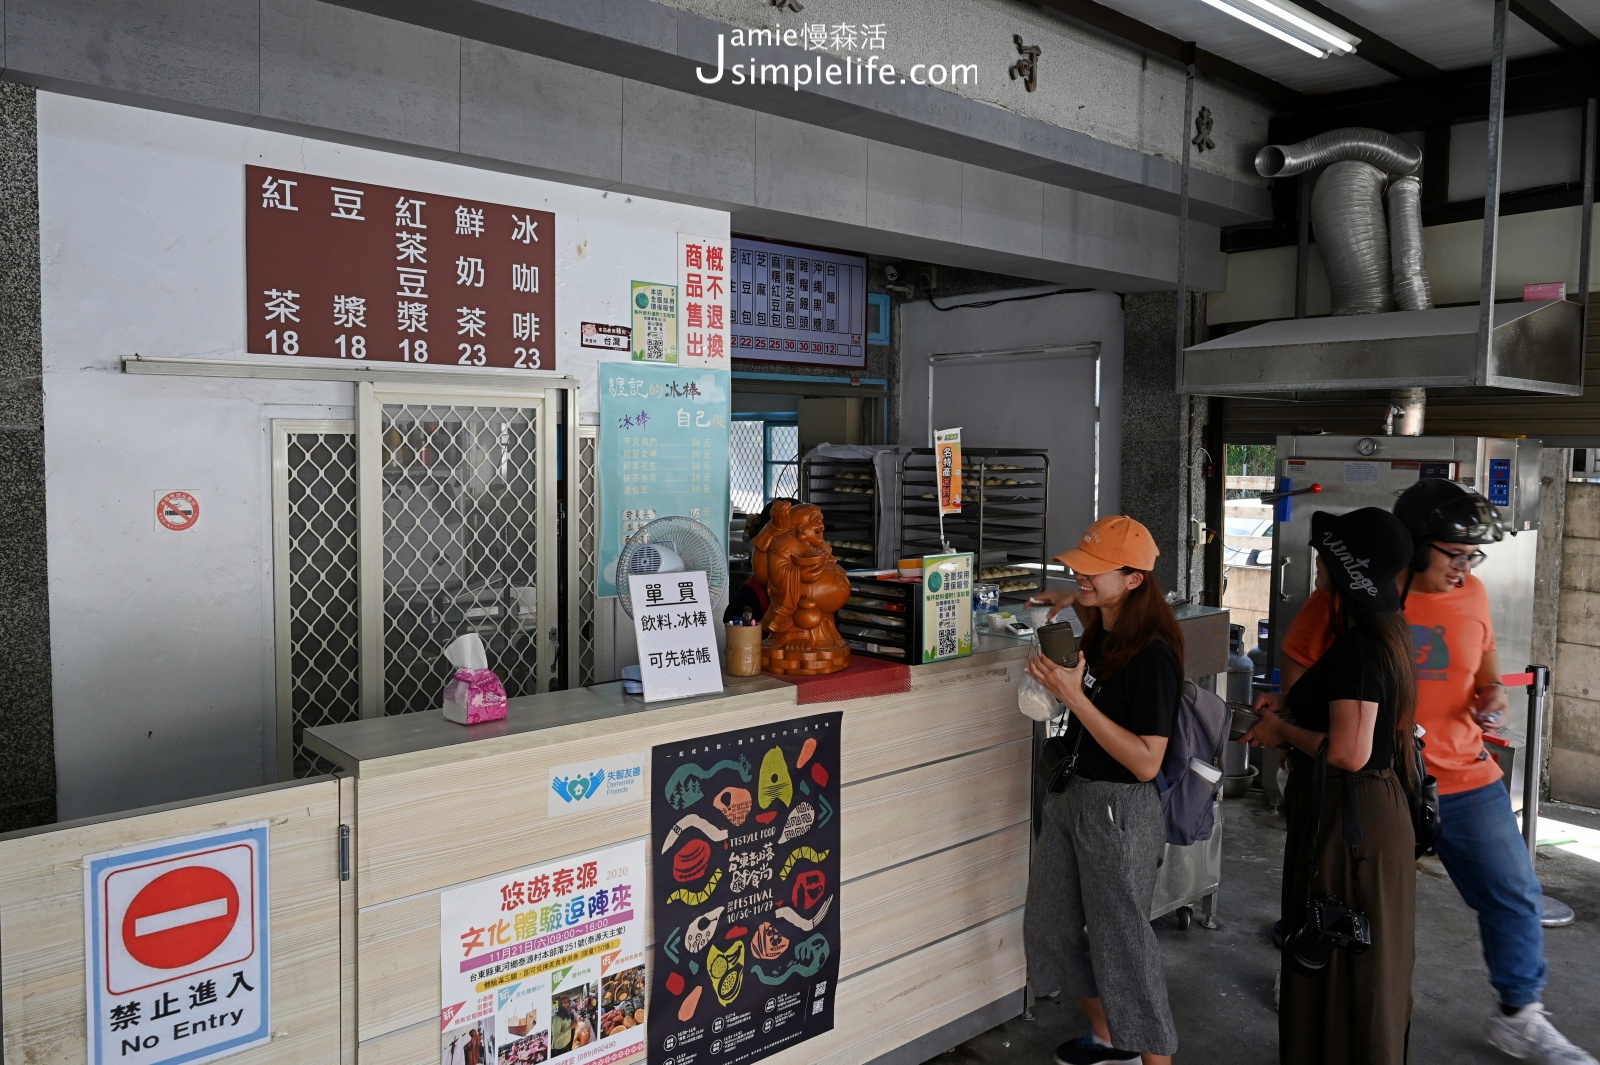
(1364, 551)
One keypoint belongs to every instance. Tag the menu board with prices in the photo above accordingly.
(663, 450)
(793, 304)
(350, 270)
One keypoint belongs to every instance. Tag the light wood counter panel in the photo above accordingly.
(882, 916)
(41, 921)
(892, 819)
(934, 806)
(876, 1010)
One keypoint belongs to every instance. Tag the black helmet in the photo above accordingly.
(1437, 509)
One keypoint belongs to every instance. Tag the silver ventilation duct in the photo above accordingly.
(1364, 271)
(1347, 214)
(1411, 289)
(1388, 153)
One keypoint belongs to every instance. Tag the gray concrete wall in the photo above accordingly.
(565, 91)
(27, 748)
(1575, 737)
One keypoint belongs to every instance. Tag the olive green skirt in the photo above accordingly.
(1357, 1010)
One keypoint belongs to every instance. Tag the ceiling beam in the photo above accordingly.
(1545, 17)
(1534, 83)
(1156, 42)
(1380, 52)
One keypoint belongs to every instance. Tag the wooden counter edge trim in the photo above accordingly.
(778, 694)
(1002, 663)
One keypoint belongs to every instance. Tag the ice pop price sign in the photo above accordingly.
(338, 269)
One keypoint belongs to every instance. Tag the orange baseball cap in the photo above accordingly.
(1111, 543)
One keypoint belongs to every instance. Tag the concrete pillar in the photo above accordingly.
(27, 740)
(1163, 469)
(1547, 583)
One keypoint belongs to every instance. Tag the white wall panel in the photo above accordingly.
(162, 648)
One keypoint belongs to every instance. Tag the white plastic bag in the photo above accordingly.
(1035, 702)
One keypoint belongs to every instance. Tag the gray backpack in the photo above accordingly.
(1191, 771)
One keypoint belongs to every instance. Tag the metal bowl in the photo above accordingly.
(1235, 786)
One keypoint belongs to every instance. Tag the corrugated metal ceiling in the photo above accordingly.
(1450, 36)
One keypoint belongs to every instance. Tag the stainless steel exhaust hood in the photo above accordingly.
(1536, 348)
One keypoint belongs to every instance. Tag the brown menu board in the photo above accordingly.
(349, 270)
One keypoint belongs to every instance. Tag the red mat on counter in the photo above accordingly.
(864, 678)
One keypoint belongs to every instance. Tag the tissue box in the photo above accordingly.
(474, 695)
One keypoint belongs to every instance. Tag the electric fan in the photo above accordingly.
(674, 545)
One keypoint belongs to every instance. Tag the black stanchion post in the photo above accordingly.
(1533, 757)
(1556, 912)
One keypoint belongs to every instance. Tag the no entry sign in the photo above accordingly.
(177, 948)
(177, 511)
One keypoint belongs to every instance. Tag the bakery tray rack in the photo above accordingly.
(1004, 502)
(847, 492)
(883, 618)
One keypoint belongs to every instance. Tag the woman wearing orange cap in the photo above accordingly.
(1101, 835)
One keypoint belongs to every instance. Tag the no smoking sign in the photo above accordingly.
(177, 948)
(177, 511)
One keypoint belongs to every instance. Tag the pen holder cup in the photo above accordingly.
(744, 650)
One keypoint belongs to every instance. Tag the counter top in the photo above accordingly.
(426, 738)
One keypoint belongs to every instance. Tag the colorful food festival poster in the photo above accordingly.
(546, 963)
(744, 830)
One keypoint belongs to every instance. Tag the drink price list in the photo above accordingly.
(663, 451)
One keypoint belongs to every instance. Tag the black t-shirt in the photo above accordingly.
(1142, 697)
(1348, 670)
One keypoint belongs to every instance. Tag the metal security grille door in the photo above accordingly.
(747, 464)
(455, 538)
(315, 584)
(783, 460)
(588, 497)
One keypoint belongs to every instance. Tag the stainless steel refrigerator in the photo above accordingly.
(1344, 473)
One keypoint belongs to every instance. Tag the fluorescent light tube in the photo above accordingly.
(1290, 24)
(1267, 27)
(1340, 42)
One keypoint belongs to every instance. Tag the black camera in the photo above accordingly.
(1329, 925)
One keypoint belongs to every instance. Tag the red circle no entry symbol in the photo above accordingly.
(178, 511)
(180, 917)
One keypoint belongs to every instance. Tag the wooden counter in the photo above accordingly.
(934, 828)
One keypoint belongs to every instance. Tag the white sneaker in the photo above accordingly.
(1529, 1035)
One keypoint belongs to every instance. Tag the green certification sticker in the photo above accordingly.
(655, 323)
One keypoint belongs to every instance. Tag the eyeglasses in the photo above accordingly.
(1461, 559)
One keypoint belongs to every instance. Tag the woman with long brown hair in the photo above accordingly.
(1100, 837)
(1349, 863)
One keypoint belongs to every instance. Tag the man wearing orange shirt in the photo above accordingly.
(1459, 697)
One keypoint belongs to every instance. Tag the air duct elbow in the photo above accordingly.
(1390, 154)
(1347, 214)
(1404, 199)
